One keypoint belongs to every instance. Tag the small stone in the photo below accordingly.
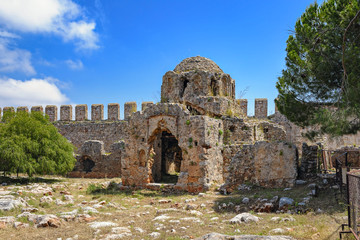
(319, 211)
(287, 189)
(30, 210)
(120, 230)
(154, 234)
(244, 217)
(18, 225)
(300, 182)
(201, 194)
(161, 218)
(89, 210)
(278, 231)
(285, 201)
(140, 230)
(245, 200)
(214, 219)
(191, 206)
(48, 220)
(97, 225)
(194, 212)
(163, 201)
(46, 199)
(275, 219)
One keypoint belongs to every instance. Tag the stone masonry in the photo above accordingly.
(198, 136)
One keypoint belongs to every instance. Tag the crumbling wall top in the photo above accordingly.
(197, 63)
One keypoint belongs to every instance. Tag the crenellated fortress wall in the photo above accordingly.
(113, 110)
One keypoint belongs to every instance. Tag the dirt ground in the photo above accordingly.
(147, 214)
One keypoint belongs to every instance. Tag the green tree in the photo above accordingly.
(30, 144)
(320, 86)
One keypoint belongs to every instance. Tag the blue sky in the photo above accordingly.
(92, 51)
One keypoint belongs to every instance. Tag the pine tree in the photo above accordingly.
(320, 86)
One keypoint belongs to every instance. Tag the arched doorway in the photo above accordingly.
(166, 157)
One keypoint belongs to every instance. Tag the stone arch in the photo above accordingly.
(165, 156)
(87, 164)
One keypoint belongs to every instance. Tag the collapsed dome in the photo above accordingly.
(197, 63)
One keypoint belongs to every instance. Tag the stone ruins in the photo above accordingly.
(197, 137)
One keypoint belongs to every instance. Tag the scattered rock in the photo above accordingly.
(18, 225)
(46, 199)
(300, 182)
(244, 217)
(161, 218)
(140, 230)
(9, 202)
(48, 220)
(278, 231)
(154, 234)
(218, 236)
(120, 230)
(245, 200)
(97, 225)
(89, 210)
(30, 210)
(285, 201)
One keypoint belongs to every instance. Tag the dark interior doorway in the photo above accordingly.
(167, 158)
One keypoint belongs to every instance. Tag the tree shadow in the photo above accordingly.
(27, 180)
(136, 192)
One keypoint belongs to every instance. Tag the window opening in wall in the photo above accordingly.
(214, 87)
(184, 86)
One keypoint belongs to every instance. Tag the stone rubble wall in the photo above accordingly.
(94, 162)
(268, 164)
(80, 132)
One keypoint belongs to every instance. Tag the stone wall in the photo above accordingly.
(268, 164)
(94, 162)
(80, 132)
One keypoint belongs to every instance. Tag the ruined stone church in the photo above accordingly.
(197, 137)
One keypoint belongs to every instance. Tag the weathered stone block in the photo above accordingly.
(66, 113)
(145, 105)
(52, 112)
(97, 112)
(22, 109)
(81, 112)
(261, 105)
(129, 109)
(243, 103)
(37, 109)
(113, 112)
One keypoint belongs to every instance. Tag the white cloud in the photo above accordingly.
(61, 17)
(14, 59)
(6, 34)
(75, 65)
(30, 93)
